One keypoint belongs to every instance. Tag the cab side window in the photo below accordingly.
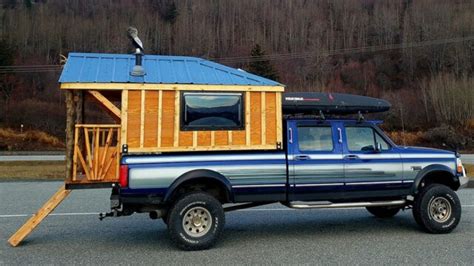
(315, 138)
(364, 139)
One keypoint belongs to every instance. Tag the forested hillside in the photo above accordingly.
(417, 54)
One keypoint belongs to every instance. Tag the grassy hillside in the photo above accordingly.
(30, 140)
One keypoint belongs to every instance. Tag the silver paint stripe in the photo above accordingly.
(322, 157)
(203, 158)
(374, 183)
(264, 185)
(378, 156)
(207, 158)
(319, 185)
(426, 156)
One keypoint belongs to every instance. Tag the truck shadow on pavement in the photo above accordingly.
(243, 229)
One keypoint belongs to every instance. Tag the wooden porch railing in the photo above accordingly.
(96, 153)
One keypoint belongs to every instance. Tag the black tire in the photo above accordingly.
(203, 217)
(383, 212)
(437, 209)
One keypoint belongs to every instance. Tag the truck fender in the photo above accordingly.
(430, 169)
(200, 173)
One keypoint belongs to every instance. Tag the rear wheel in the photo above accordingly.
(383, 212)
(196, 221)
(437, 209)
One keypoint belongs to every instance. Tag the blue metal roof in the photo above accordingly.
(161, 69)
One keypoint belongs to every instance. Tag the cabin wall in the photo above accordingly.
(151, 123)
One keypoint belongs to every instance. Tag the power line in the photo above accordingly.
(29, 69)
(270, 57)
(365, 49)
(26, 66)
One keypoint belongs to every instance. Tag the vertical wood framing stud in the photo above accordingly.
(142, 118)
(263, 114)
(123, 133)
(279, 119)
(160, 117)
(176, 119)
(76, 150)
(247, 118)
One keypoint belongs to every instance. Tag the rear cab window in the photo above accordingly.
(315, 138)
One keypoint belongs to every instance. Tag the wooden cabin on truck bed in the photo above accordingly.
(179, 104)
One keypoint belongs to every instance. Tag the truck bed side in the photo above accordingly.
(250, 176)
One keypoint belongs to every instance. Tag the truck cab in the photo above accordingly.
(349, 159)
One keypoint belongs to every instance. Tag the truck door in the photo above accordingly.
(372, 167)
(316, 166)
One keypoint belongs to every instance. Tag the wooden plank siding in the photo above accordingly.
(134, 118)
(255, 118)
(167, 124)
(151, 119)
(153, 124)
(270, 118)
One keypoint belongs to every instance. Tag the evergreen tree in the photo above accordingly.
(166, 9)
(28, 4)
(261, 67)
(7, 54)
(171, 13)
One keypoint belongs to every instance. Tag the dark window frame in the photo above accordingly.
(184, 127)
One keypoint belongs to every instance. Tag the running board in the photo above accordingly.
(346, 205)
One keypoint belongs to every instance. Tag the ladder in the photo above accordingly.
(37, 218)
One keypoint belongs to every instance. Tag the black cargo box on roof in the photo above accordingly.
(331, 103)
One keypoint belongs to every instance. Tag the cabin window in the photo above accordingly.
(211, 111)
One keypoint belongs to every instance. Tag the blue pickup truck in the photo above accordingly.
(322, 164)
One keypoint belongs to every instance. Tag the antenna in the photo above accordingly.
(321, 115)
(360, 117)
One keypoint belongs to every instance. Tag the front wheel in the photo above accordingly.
(437, 209)
(196, 221)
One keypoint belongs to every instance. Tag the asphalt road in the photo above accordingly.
(25, 158)
(269, 234)
(467, 158)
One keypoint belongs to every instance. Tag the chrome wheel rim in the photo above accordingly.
(440, 209)
(197, 221)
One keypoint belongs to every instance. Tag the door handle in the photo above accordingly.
(302, 157)
(351, 157)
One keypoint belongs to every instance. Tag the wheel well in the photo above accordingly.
(439, 177)
(212, 186)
